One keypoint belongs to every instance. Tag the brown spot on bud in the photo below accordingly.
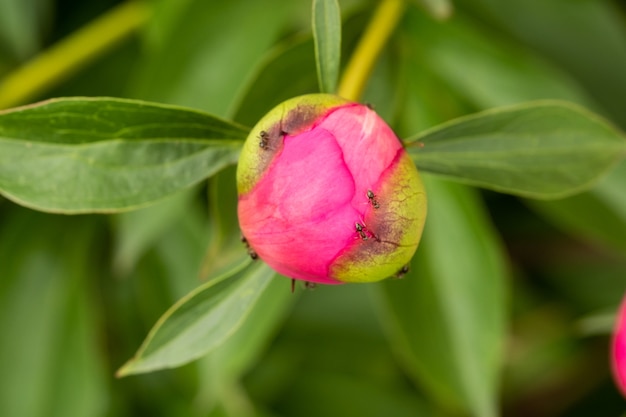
(264, 140)
(300, 118)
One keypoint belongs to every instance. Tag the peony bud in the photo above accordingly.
(327, 193)
(618, 349)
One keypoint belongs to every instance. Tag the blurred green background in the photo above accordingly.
(78, 294)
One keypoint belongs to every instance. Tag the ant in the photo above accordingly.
(265, 137)
(372, 198)
(359, 228)
(307, 285)
(402, 272)
(251, 251)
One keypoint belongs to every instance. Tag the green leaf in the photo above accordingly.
(51, 348)
(202, 52)
(447, 317)
(241, 351)
(586, 38)
(598, 215)
(77, 155)
(543, 149)
(178, 255)
(229, 360)
(225, 249)
(439, 9)
(347, 394)
(22, 25)
(483, 68)
(202, 320)
(327, 38)
(138, 230)
(167, 272)
(291, 60)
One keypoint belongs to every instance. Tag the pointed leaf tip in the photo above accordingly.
(544, 149)
(202, 320)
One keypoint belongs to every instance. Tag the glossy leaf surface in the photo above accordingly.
(327, 39)
(202, 320)
(447, 316)
(539, 150)
(78, 155)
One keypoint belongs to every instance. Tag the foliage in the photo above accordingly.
(508, 301)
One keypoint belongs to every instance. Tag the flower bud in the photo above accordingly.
(327, 193)
(618, 349)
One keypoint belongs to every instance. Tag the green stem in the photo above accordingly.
(72, 53)
(361, 64)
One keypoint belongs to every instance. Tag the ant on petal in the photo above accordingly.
(360, 230)
(372, 199)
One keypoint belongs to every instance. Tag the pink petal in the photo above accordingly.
(618, 359)
(302, 207)
(311, 194)
(369, 145)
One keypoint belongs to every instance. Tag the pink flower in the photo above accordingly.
(328, 194)
(618, 349)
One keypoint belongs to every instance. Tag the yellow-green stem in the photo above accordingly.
(72, 53)
(361, 64)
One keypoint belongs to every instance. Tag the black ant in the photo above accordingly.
(372, 198)
(307, 285)
(359, 229)
(265, 137)
(402, 272)
(251, 251)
